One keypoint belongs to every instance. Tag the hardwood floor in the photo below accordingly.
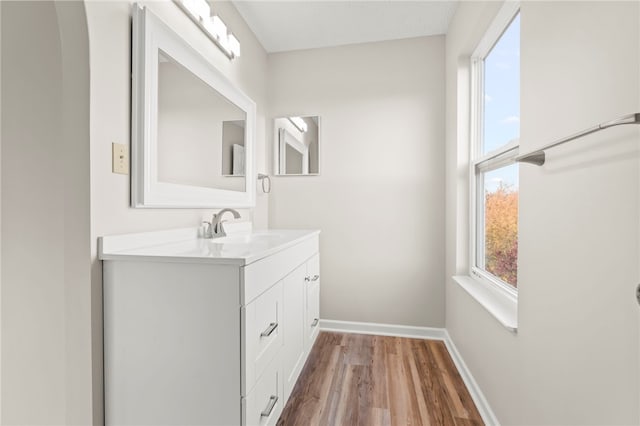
(356, 379)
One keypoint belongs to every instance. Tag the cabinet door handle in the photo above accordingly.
(272, 403)
(315, 278)
(269, 330)
(307, 279)
(315, 322)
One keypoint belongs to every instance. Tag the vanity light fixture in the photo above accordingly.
(200, 13)
(299, 123)
(199, 8)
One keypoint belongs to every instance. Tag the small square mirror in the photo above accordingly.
(297, 146)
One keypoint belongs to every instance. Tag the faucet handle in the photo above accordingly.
(207, 231)
(216, 227)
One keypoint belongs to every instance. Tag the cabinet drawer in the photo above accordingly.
(260, 275)
(263, 334)
(264, 403)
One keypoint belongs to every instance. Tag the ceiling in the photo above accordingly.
(293, 25)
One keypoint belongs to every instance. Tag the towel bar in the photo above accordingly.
(537, 157)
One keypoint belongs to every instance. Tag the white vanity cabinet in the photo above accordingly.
(206, 332)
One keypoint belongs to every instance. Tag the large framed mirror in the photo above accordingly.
(297, 146)
(192, 130)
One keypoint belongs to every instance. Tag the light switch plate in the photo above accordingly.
(120, 157)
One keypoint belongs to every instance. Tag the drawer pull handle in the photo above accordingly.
(315, 322)
(269, 330)
(272, 403)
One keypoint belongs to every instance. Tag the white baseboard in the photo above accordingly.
(487, 414)
(383, 329)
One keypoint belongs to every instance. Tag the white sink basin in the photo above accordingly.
(253, 238)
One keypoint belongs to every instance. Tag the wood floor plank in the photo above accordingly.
(335, 389)
(439, 413)
(456, 389)
(379, 388)
(453, 398)
(324, 385)
(417, 388)
(352, 379)
(379, 417)
(398, 398)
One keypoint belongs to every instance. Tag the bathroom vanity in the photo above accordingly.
(206, 331)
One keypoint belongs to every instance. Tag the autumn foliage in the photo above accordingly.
(501, 233)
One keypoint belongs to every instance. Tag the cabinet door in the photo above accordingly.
(312, 302)
(293, 319)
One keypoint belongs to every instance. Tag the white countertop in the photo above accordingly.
(183, 245)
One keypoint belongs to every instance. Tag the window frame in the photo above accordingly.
(480, 164)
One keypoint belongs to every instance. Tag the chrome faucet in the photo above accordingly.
(216, 223)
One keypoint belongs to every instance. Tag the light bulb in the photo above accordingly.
(299, 123)
(234, 45)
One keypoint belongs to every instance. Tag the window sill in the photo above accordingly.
(504, 308)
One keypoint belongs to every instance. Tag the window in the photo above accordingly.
(495, 133)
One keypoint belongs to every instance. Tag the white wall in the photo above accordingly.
(46, 333)
(109, 24)
(379, 200)
(575, 358)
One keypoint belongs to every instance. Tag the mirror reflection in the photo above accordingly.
(297, 145)
(201, 134)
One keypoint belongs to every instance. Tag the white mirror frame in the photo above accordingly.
(286, 138)
(149, 35)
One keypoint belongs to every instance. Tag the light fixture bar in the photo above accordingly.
(199, 12)
(299, 123)
(199, 8)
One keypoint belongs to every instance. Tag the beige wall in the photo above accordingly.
(109, 24)
(46, 332)
(575, 357)
(379, 198)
